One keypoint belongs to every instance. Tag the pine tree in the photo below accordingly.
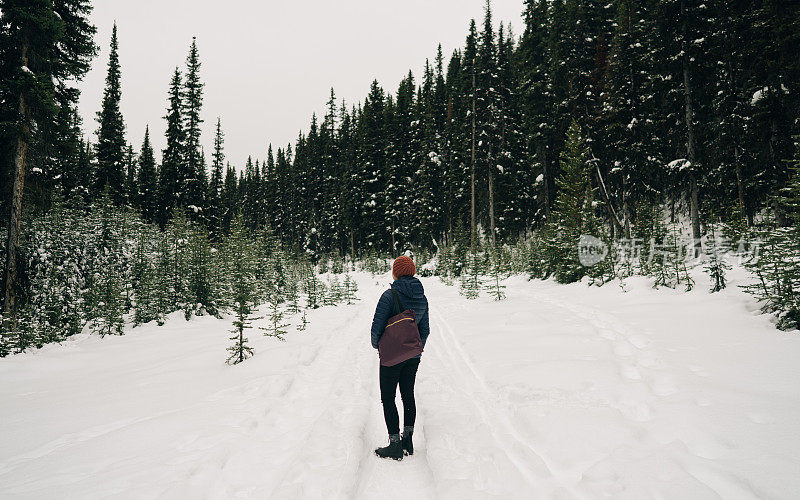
(109, 274)
(131, 188)
(172, 177)
(372, 161)
(147, 180)
(311, 288)
(215, 186)
(715, 264)
(303, 321)
(572, 208)
(633, 146)
(471, 276)
(244, 288)
(277, 327)
(200, 267)
(293, 296)
(111, 133)
(177, 272)
(192, 101)
(143, 276)
(350, 289)
(493, 284)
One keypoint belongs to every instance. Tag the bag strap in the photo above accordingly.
(396, 301)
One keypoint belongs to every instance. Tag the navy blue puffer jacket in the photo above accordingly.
(412, 296)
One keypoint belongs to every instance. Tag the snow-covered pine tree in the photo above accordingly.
(56, 264)
(131, 187)
(350, 289)
(277, 326)
(215, 186)
(200, 289)
(195, 179)
(111, 143)
(326, 294)
(143, 275)
(649, 230)
(177, 272)
(311, 289)
(493, 282)
(715, 264)
(172, 174)
(162, 299)
(292, 296)
(303, 321)
(631, 146)
(335, 294)
(471, 276)
(775, 266)
(776, 263)
(244, 289)
(147, 180)
(572, 210)
(109, 271)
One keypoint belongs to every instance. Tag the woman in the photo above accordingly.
(411, 295)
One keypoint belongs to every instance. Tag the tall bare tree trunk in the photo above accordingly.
(690, 139)
(740, 182)
(449, 203)
(616, 226)
(15, 217)
(491, 207)
(473, 229)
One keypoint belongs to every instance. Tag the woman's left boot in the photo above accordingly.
(394, 450)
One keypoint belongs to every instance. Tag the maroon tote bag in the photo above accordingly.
(400, 340)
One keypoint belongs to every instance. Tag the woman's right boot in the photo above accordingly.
(408, 444)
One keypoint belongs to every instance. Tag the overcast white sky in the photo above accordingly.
(268, 65)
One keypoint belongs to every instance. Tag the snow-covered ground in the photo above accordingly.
(556, 392)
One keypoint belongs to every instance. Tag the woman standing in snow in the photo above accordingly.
(400, 329)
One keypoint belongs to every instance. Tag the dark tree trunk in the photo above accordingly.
(491, 208)
(473, 229)
(690, 135)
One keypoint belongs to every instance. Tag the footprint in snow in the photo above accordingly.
(760, 418)
(699, 371)
(664, 385)
(635, 410)
(631, 372)
(623, 349)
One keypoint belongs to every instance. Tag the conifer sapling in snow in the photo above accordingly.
(242, 269)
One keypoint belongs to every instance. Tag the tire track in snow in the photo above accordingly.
(340, 443)
(276, 428)
(385, 478)
(531, 464)
(336, 381)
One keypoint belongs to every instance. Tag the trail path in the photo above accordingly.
(550, 394)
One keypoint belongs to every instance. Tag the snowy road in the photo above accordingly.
(557, 392)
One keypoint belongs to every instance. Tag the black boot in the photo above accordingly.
(394, 450)
(408, 444)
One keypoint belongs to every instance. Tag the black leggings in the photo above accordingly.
(405, 373)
